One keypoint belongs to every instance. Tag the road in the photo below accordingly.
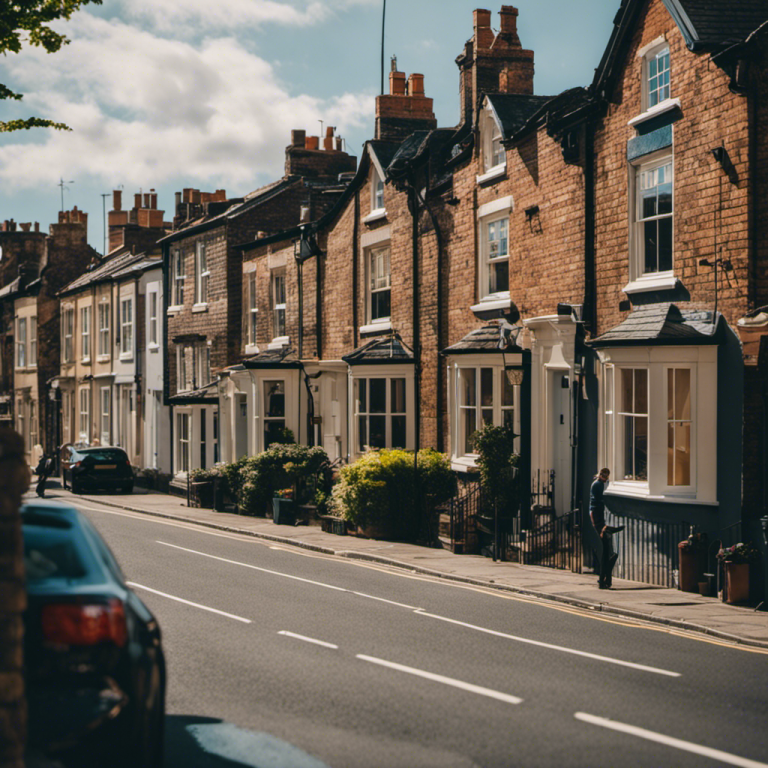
(283, 658)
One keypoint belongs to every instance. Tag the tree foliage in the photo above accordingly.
(27, 22)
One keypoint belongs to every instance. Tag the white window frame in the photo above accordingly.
(68, 333)
(104, 313)
(253, 309)
(179, 277)
(21, 342)
(658, 361)
(493, 155)
(105, 399)
(387, 372)
(182, 384)
(279, 301)
(201, 274)
(85, 334)
(487, 215)
(267, 419)
(126, 327)
(183, 455)
(502, 391)
(201, 365)
(66, 416)
(362, 410)
(33, 423)
(84, 424)
(379, 283)
(152, 315)
(378, 206)
(653, 97)
(32, 362)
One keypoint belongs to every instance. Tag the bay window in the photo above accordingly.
(182, 441)
(380, 412)
(274, 411)
(658, 411)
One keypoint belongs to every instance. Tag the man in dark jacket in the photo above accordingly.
(597, 513)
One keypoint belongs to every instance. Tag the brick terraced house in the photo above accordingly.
(203, 278)
(586, 267)
(33, 268)
(104, 353)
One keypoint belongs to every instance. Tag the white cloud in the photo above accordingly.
(180, 17)
(146, 109)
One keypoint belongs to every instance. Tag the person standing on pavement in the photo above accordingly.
(597, 514)
(44, 470)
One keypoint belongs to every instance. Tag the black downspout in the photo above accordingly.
(318, 306)
(590, 272)
(300, 271)
(525, 442)
(414, 205)
(166, 296)
(355, 270)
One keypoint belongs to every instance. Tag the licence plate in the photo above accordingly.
(106, 466)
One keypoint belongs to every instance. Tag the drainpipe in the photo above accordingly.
(355, 269)
(414, 208)
(166, 289)
(590, 274)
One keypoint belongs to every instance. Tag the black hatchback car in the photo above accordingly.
(95, 669)
(97, 467)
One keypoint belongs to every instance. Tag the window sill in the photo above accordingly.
(85, 360)
(646, 495)
(200, 307)
(659, 109)
(492, 173)
(492, 301)
(375, 215)
(279, 342)
(103, 358)
(664, 282)
(464, 463)
(126, 356)
(378, 326)
(153, 347)
(174, 309)
(251, 349)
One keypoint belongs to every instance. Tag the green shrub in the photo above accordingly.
(497, 462)
(379, 489)
(281, 466)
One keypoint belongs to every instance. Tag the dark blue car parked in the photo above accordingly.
(95, 669)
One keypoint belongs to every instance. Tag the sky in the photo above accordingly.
(168, 94)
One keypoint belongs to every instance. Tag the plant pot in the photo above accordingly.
(283, 511)
(203, 492)
(692, 564)
(704, 588)
(736, 582)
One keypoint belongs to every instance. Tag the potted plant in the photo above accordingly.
(283, 507)
(201, 482)
(736, 561)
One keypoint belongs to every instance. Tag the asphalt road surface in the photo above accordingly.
(283, 658)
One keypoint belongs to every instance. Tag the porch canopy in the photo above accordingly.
(663, 324)
(380, 351)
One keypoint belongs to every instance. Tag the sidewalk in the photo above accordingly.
(670, 607)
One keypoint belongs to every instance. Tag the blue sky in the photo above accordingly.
(167, 94)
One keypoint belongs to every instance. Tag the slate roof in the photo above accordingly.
(714, 23)
(106, 270)
(140, 266)
(661, 325)
(202, 396)
(285, 357)
(390, 349)
(384, 151)
(513, 110)
(485, 339)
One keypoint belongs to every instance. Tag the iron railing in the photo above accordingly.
(464, 511)
(543, 488)
(647, 550)
(555, 543)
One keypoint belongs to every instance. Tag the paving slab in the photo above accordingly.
(671, 607)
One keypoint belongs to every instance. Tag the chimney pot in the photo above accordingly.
(37, 226)
(397, 83)
(137, 200)
(298, 138)
(416, 85)
(483, 33)
(313, 142)
(117, 199)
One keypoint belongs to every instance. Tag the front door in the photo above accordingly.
(560, 438)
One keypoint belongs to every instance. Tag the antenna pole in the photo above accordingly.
(383, 16)
(61, 184)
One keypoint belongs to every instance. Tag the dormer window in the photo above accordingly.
(377, 188)
(494, 156)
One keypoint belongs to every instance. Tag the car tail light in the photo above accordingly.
(85, 623)
(77, 464)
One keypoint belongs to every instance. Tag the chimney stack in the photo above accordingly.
(405, 109)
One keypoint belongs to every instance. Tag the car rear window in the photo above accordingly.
(51, 553)
(107, 454)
